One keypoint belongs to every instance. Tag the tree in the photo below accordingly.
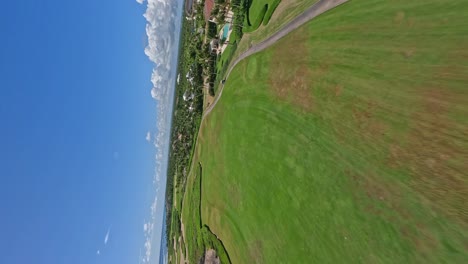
(211, 30)
(215, 11)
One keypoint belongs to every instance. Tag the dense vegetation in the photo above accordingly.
(199, 68)
(347, 140)
(196, 62)
(187, 114)
(196, 72)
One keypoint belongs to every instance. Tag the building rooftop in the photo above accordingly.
(209, 4)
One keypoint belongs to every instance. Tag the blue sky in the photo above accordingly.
(75, 107)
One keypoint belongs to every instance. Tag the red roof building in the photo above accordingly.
(209, 4)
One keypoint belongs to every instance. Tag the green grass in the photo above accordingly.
(345, 142)
(252, 23)
(259, 11)
(271, 8)
(192, 217)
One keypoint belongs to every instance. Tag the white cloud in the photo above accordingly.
(148, 136)
(98, 252)
(147, 251)
(163, 18)
(106, 238)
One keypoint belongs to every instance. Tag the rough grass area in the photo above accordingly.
(198, 236)
(192, 218)
(225, 59)
(345, 141)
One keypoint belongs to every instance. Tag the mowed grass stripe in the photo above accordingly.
(346, 141)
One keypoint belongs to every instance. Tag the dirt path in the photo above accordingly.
(313, 11)
(182, 227)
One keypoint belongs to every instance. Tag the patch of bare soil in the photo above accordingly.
(256, 252)
(370, 127)
(290, 75)
(211, 257)
(181, 253)
(432, 152)
(183, 236)
(399, 17)
(338, 89)
(208, 99)
(377, 191)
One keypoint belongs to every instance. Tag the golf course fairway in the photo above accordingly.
(346, 141)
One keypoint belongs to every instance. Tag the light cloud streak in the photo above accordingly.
(148, 136)
(106, 238)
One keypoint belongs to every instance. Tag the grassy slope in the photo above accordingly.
(199, 237)
(346, 140)
(257, 12)
(192, 218)
(285, 12)
(256, 8)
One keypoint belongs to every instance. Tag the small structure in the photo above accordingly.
(228, 17)
(189, 76)
(188, 96)
(214, 44)
(191, 108)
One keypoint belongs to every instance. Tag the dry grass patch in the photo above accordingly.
(436, 156)
(256, 251)
(292, 83)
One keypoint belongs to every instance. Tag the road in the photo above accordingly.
(318, 8)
